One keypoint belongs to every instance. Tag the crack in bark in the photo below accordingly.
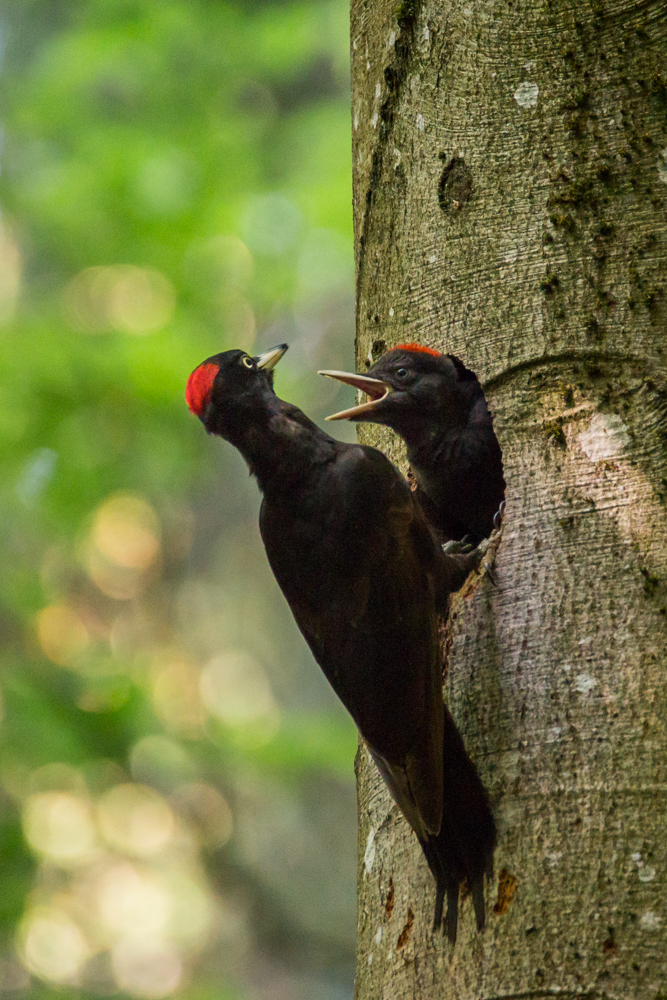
(395, 76)
(545, 360)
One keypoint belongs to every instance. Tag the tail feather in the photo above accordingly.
(439, 904)
(463, 849)
(452, 911)
(478, 903)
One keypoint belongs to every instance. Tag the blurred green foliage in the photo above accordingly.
(175, 182)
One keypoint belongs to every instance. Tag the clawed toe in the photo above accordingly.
(489, 546)
(498, 516)
(454, 548)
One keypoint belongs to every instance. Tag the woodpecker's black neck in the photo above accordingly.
(418, 430)
(280, 444)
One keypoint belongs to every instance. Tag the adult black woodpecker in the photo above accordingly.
(437, 406)
(366, 581)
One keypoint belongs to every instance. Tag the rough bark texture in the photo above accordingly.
(510, 194)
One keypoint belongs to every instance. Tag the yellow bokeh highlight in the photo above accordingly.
(62, 635)
(124, 544)
(10, 274)
(176, 696)
(51, 945)
(60, 826)
(122, 297)
(234, 687)
(127, 531)
(192, 913)
(131, 899)
(132, 890)
(136, 819)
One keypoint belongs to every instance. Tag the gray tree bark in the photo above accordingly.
(510, 195)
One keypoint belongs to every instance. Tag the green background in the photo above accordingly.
(176, 789)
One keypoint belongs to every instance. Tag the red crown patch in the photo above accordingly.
(199, 387)
(418, 347)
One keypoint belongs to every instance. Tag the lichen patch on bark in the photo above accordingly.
(507, 889)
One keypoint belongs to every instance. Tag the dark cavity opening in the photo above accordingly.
(455, 185)
(378, 348)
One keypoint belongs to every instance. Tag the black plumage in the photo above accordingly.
(366, 581)
(437, 406)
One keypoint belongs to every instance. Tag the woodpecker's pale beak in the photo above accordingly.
(375, 388)
(269, 359)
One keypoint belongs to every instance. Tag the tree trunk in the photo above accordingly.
(510, 192)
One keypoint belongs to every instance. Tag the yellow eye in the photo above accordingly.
(248, 362)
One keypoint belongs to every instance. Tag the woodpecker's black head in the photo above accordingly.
(230, 390)
(411, 383)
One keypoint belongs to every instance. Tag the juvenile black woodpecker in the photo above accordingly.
(437, 406)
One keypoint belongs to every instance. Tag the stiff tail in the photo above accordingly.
(463, 849)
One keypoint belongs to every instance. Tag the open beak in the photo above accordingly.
(375, 389)
(269, 359)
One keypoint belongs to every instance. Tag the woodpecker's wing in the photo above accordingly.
(359, 569)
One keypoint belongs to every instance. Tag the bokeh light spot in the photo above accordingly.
(124, 544)
(160, 762)
(122, 297)
(60, 826)
(219, 265)
(10, 274)
(127, 531)
(133, 902)
(136, 818)
(52, 945)
(58, 777)
(141, 300)
(165, 184)
(147, 969)
(235, 688)
(176, 697)
(192, 912)
(62, 635)
(36, 475)
(207, 811)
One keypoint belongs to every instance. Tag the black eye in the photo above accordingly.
(402, 373)
(248, 362)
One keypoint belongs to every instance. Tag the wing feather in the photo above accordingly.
(364, 599)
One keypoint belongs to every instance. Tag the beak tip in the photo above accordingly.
(269, 359)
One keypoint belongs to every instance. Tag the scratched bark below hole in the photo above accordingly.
(549, 282)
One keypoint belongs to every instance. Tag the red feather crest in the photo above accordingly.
(199, 387)
(418, 347)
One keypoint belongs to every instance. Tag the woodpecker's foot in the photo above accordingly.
(488, 547)
(460, 560)
(454, 548)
